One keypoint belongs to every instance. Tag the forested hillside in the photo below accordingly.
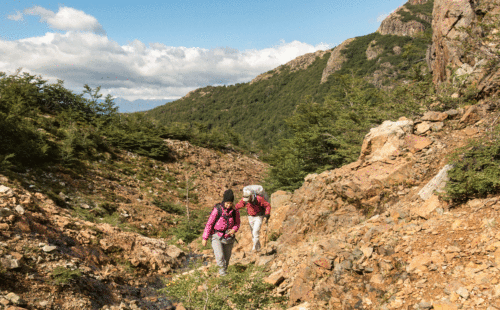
(312, 113)
(257, 110)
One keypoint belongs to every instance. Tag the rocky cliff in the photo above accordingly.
(299, 63)
(465, 40)
(396, 24)
(335, 61)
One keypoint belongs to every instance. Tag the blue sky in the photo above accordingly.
(160, 50)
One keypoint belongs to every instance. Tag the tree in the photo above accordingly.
(326, 135)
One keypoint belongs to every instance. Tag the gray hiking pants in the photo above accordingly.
(222, 252)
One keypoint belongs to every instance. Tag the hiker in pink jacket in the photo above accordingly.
(223, 223)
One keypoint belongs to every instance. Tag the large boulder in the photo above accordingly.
(437, 183)
(384, 142)
(151, 253)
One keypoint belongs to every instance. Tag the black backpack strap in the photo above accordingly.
(219, 214)
(234, 216)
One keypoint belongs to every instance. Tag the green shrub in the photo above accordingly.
(242, 288)
(188, 230)
(170, 207)
(62, 275)
(326, 135)
(476, 171)
(274, 236)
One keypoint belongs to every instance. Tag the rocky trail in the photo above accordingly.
(414, 251)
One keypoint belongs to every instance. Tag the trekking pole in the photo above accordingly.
(265, 238)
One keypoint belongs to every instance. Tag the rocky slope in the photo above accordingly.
(370, 235)
(395, 24)
(299, 63)
(95, 244)
(373, 235)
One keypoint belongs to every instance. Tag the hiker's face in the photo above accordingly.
(228, 205)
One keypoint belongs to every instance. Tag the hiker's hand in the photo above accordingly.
(231, 232)
(204, 243)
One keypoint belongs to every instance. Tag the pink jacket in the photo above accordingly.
(221, 224)
(255, 208)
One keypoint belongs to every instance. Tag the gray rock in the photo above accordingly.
(15, 299)
(19, 209)
(436, 184)
(5, 190)
(344, 265)
(49, 248)
(437, 126)
(8, 262)
(452, 113)
(357, 254)
(463, 292)
(63, 196)
(264, 260)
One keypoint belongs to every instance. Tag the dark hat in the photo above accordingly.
(228, 196)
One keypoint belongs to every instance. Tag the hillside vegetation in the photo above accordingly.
(101, 210)
(257, 111)
(303, 125)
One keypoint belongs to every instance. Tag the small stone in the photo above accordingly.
(180, 306)
(422, 128)
(5, 190)
(49, 248)
(9, 262)
(44, 303)
(425, 305)
(276, 278)
(367, 251)
(377, 279)
(4, 226)
(463, 292)
(15, 299)
(452, 113)
(434, 116)
(85, 206)
(19, 209)
(437, 126)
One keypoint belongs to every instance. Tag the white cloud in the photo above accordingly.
(67, 19)
(135, 70)
(18, 16)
